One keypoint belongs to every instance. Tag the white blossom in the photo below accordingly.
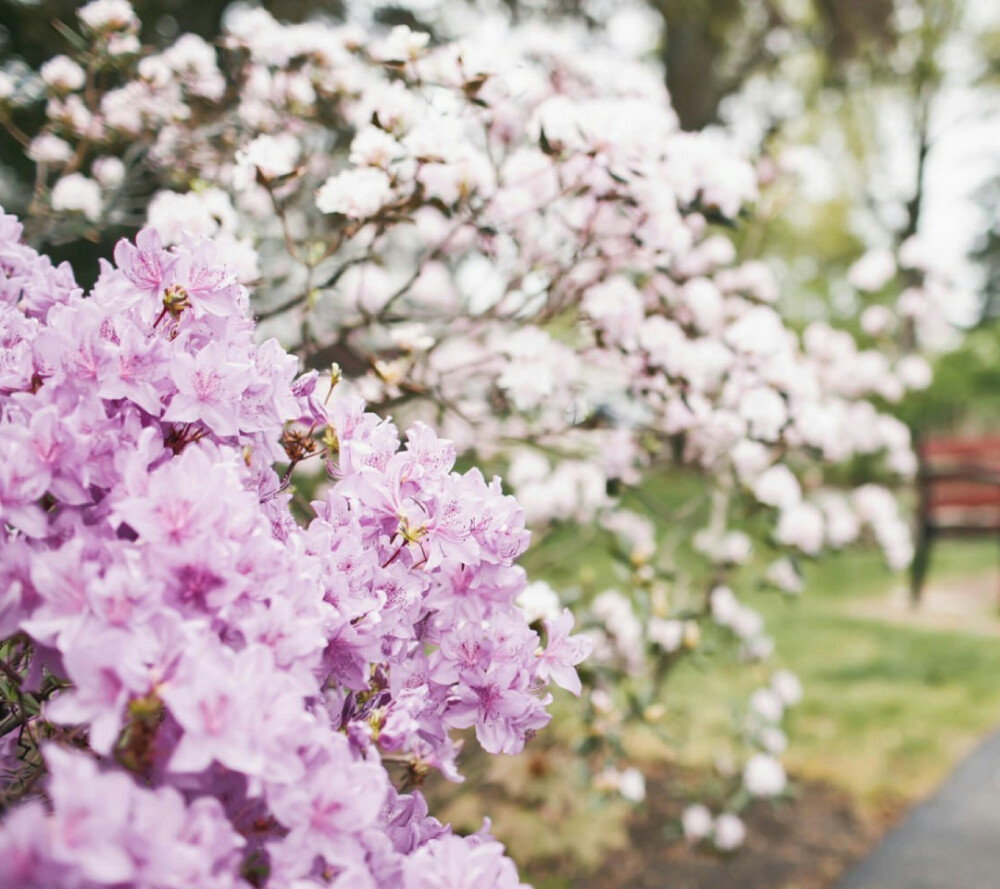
(777, 486)
(109, 171)
(63, 74)
(632, 785)
(539, 601)
(273, 156)
(764, 776)
(873, 270)
(767, 704)
(47, 148)
(801, 526)
(785, 576)
(729, 832)
(787, 686)
(914, 372)
(696, 822)
(668, 634)
(108, 15)
(357, 194)
(77, 194)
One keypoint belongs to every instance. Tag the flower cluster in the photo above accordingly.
(218, 688)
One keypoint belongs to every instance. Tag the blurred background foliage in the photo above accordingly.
(857, 93)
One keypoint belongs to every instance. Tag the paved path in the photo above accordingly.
(951, 841)
(966, 604)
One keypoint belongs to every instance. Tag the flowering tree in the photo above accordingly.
(214, 690)
(508, 237)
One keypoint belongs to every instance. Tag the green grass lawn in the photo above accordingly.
(889, 707)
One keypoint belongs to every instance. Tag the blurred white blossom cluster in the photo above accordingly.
(762, 775)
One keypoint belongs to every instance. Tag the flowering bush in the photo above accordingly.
(490, 237)
(214, 690)
(507, 237)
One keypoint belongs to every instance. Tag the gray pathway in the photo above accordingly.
(951, 841)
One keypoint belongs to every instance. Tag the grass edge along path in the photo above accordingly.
(890, 708)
